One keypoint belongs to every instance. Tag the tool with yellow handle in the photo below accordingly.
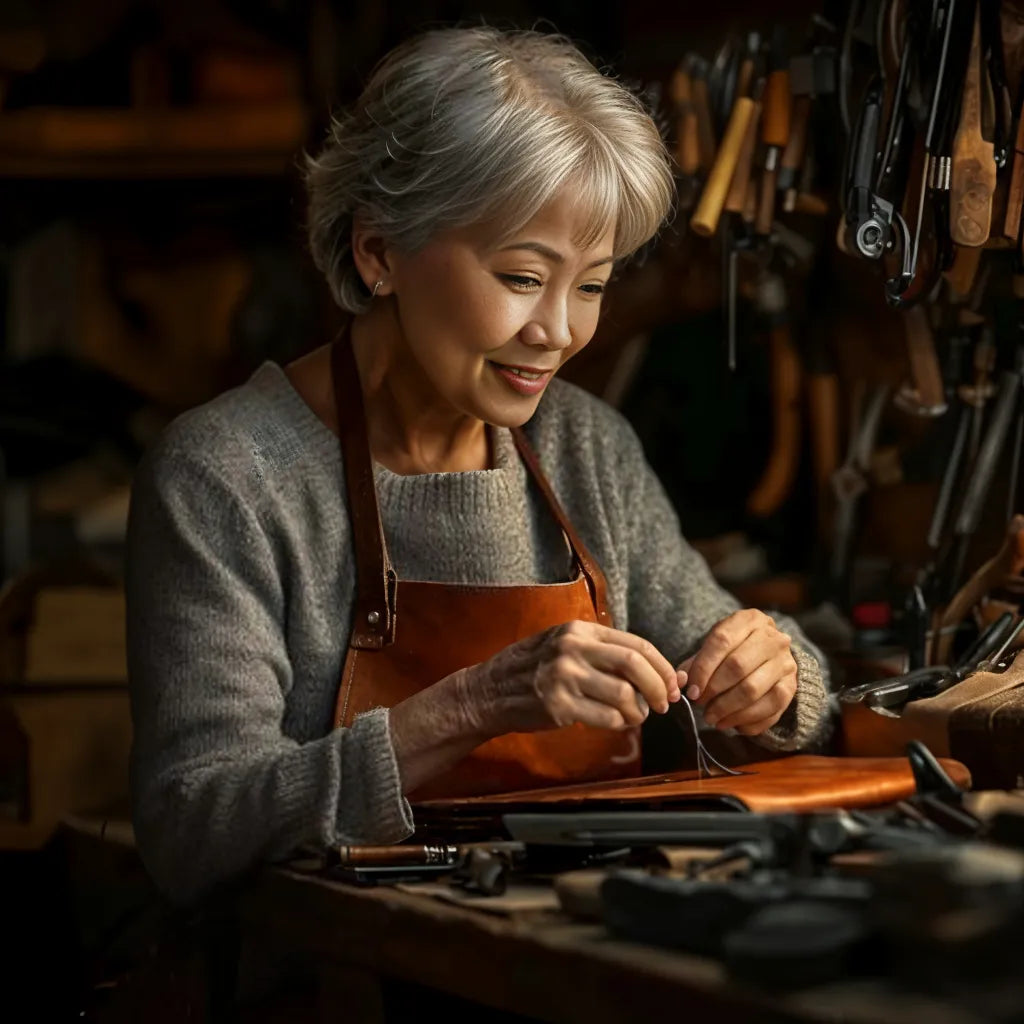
(705, 218)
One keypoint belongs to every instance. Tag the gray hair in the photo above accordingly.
(466, 125)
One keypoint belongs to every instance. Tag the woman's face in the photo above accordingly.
(487, 325)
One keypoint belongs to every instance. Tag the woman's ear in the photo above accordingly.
(370, 253)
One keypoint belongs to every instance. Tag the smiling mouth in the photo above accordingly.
(524, 372)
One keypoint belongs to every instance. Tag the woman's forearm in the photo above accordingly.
(433, 730)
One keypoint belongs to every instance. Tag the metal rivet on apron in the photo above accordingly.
(373, 618)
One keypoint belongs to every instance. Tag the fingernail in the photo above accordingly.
(693, 692)
(710, 720)
(674, 694)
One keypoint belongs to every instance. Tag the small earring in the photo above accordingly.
(376, 288)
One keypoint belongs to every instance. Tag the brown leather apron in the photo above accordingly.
(408, 634)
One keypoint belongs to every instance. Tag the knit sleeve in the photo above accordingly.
(217, 786)
(674, 601)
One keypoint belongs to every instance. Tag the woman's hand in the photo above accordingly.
(744, 675)
(578, 672)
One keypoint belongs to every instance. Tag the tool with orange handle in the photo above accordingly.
(775, 127)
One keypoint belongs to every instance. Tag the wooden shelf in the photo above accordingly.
(56, 142)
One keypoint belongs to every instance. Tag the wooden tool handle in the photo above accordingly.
(705, 218)
(823, 421)
(964, 270)
(780, 472)
(705, 131)
(796, 144)
(737, 195)
(1007, 561)
(687, 141)
(775, 122)
(973, 179)
(766, 203)
(1015, 198)
(924, 365)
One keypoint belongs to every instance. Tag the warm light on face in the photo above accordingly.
(486, 325)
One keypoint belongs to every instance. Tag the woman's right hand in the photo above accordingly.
(577, 672)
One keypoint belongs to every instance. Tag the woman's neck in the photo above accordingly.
(410, 429)
(409, 433)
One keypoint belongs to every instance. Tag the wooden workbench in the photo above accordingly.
(538, 963)
(388, 953)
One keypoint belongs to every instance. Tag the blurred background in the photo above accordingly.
(152, 254)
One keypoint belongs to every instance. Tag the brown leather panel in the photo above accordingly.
(800, 783)
(987, 735)
(445, 627)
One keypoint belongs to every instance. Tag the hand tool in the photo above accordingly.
(1005, 565)
(984, 470)
(925, 395)
(973, 180)
(775, 127)
(922, 682)
(989, 664)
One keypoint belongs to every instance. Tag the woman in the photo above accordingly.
(414, 562)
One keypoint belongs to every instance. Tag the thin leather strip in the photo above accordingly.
(596, 582)
(374, 620)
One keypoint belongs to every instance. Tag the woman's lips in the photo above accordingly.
(526, 381)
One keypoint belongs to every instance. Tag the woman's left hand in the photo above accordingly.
(744, 676)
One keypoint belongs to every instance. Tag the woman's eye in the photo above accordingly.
(520, 280)
(592, 289)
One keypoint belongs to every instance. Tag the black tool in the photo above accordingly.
(989, 663)
(895, 691)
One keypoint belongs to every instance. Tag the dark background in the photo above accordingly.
(136, 283)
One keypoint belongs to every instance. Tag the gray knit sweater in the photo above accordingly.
(240, 585)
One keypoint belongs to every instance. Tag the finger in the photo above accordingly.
(768, 694)
(623, 654)
(759, 727)
(645, 648)
(761, 646)
(599, 715)
(736, 669)
(629, 666)
(723, 638)
(617, 693)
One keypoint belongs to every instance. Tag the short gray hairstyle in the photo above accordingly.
(465, 125)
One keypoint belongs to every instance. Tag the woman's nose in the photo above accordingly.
(550, 326)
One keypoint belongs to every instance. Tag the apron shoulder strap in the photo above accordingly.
(592, 573)
(373, 625)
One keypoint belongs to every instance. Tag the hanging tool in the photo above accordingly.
(851, 482)
(775, 127)
(925, 395)
(973, 179)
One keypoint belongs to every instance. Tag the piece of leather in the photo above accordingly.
(426, 631)
(803, 782)
(979, 721)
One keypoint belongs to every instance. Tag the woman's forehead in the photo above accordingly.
(565, 223)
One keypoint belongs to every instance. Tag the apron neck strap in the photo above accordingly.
(373, 625)
(592, 573)
(376, 580)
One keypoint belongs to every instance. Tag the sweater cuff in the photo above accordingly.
(372, 809)
(807, 723)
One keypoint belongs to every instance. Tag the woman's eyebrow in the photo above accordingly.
(551, 254)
